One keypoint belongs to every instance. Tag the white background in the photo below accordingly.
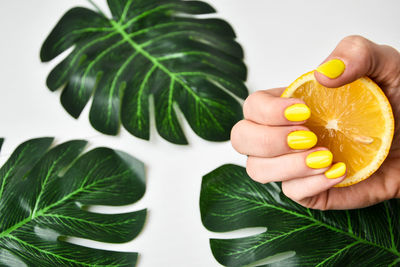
(282, 40)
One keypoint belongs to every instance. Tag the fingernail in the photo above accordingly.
(332, 68)
(297, 112)
(301, 139)
(319, 159)
(337, 170)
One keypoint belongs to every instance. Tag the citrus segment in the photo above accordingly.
(355, 122)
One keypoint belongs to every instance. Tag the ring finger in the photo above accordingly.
(253, 139)
(295, 165)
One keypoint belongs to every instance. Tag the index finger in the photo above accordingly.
(267, 108)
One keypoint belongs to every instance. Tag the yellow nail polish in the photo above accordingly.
(332, 68)
(301, 139)
(337, 170)
(319, 159)
(297, 112)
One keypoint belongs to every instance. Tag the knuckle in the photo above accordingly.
(359, 46)
(391, 68)
(251, 171)
(248, 103)
(235, 134)
(356, 40)
(238, 136)
(266, 142)
(288, 191)
(299, 163)
(268, 145)
(318, 202)
(391, 189)
(309, 202)
(246, 106)
(252, 102)
(254, 172)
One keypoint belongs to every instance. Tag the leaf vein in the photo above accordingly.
(52, 215)
(273, 239)
(337, 253)
(50, 253)
(140, 92)
(332, 228)
(168, 72)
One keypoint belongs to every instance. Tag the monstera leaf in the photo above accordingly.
(43, 194)
(230, 200)
(149, 49)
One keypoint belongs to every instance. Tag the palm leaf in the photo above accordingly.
(149, 48)
(230, 200)
(43, 195)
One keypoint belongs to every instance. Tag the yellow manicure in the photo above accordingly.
(332, 68)
(319, 159)
(337, 170)
(301, 140)
(297, 112)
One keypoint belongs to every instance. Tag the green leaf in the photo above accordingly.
(43, 194)
(1, 142)
(230, 200)
(149, 48)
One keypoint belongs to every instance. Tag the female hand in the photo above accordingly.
(262, 135)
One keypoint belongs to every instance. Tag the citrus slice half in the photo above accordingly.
(355, 122)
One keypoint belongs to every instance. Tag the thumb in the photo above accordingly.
(355, 57)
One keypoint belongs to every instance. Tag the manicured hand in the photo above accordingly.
(280, 148)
